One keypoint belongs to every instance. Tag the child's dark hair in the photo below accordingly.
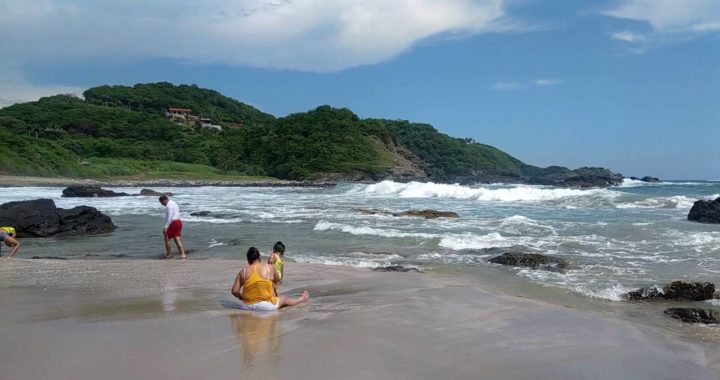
(253, 255)
(279, 247)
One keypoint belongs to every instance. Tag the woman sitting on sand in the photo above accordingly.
(254, 286)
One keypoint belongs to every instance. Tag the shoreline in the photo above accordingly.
(23, 181)
(156, 319)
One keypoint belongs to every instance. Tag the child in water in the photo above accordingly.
(277, 259)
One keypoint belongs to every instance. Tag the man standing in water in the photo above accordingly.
(173, 227)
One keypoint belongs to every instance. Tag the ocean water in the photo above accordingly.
(617, 239)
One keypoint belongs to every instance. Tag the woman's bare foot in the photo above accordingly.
(304, 297)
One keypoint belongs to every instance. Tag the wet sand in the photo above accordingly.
(143, 319)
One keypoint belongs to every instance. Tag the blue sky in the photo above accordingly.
(633, 85)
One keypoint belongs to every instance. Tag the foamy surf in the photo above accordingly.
(519, 193)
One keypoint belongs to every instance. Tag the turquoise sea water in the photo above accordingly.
(617, 238)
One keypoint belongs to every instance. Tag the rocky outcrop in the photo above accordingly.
(531, 260)
(676, 290)
(427, 214)
(201, 213)
(84, 191)
(586, 181)
(151, 192)
(705, 211)
(40, 218)
(692, 315)
(646, 179)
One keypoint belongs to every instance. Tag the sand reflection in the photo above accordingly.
(258, 337)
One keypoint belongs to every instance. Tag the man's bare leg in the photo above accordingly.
(167, 247)
(14, 244)
(180, 247)
(287, 301)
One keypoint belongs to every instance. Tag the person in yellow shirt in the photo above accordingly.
(7, 235)
(277, 259)
(254, 286)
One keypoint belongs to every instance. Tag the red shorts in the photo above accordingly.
(174, 229)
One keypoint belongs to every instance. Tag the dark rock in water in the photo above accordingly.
(396, 268)
(427, 214)
(86, 191)
(585, 181)
(676, 290)
(692, 315)
(532, 260)
(650, 179)
(201, 213)
(151, 192)
(49, 258)
(40, 218)
(705, 211)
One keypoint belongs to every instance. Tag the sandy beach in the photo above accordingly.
(144, 319)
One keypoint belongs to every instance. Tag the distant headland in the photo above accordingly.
(160, 131)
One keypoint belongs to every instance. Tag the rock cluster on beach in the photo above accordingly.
(705, 211)
(41, 218)
(694, 315)
(84, 191)
(531, 260)
(676, 290)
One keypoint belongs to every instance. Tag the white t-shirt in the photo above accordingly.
(172, 212)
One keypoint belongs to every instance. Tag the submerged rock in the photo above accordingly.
(41, 218)
(705, 211)
(151, 192)
(650, 179)
(692, 315)
(201, 213)
(48, 258)
(676, 290)
(532, 260)
(427, 214)
(396, 268)
(90, 191)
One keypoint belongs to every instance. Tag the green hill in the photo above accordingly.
(120, 131)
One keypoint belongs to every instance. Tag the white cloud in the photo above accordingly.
(547, 82)
(14, 88)
(516, 86)
(668, 17)
(312, 35)
(628, 36)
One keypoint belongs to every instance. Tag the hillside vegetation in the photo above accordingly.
(120, 131)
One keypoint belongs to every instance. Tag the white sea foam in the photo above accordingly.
(472, 241)
(612, 293)
(366, 230)
(215, 243)
(521, 193)
(677, 201)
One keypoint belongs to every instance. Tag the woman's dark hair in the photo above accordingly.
(279, 247)
(253, 255)
(163, 198)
